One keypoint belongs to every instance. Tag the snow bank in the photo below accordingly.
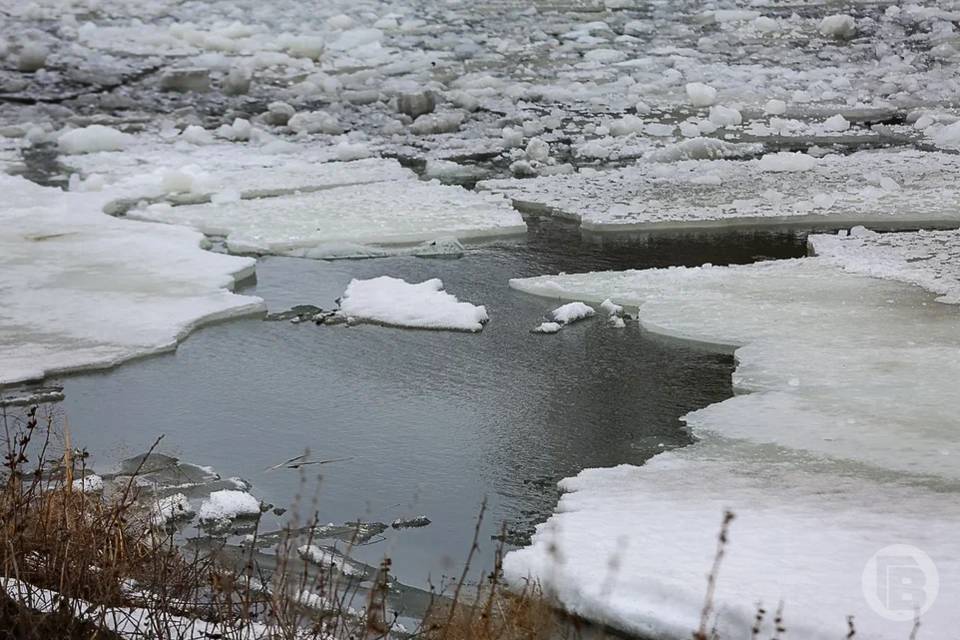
(228, 504)
(83, 290)
(826, 455)
(395, 302)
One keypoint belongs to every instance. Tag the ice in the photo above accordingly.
(83, 290)
(782, 188)
(326, 223)
(827, 454)
(547, 327)
(838, 26)
(395, 302)
(170, 508)
(571, 312)
(88, 484)
(610, 308)
(328, 558)
(228, 504)
(701, 95)
(93, 138)
(929, 259)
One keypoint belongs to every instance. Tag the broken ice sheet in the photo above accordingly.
(84, 290)
(881, 187)
(831, 451)
(346, 221)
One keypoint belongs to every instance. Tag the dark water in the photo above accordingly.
(432, 422)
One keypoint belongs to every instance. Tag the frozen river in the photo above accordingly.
(430, 422)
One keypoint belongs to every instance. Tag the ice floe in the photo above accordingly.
(395, 302)
(887, 188)
(838, 444)
(83, 290)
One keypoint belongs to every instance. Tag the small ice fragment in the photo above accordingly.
(547, 327)
(406, 523)
(33, 57)
(88, 484)
(170, 508)
(571, 312)
(611, 308)
(836, 123)
(616, 322)
(701, 95)
(785, 161)
(775, 107)
(724, 116)
(91, 139)
(838, 26)
(538, 150)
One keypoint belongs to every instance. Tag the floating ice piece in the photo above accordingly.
(228, 504)
(833, 190)
(96, 137)
(822, 476)
(836, 123)
(948, 137)
(724, 116)
(84, 290)
(616, 322)
(547, 327)
(930, 259)
(328, 223)
(775, 107)
(407, 523)
(571, 312)
(610, 308)
(701, 95)
(785, 161)
(838, 26)
(328, 558)
(395, 302)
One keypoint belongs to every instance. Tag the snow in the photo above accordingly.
(548, 327)
(322, 224)
(610, 308)
(228, 504)
(94, 138)
(88, 484)
(929, 259)
(778, 189)
(824, 454)
(84, 290)
(170, 508)
(424, 305)
(701, 95)
(571, 312)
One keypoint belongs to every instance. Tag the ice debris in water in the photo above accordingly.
(395, 302)
(91, 483)
(228, 504)
(571, 312)
(170, 508)
(547, 327)
(94, 138)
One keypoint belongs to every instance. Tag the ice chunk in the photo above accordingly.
(776, 189)
(836, 123)
(228, 504)
(610, 308)
(88, 484)
(785, 161)
(547, 327)
(314, 122)
(85, 290)
(724, 116)
(33, 57)
(403, 212)
(701, 95)
(395, 302)
(839, 26)
(775, 107)
(94, 138)
(327, 558)
(571, 312)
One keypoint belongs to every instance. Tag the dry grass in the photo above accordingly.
(109, 570)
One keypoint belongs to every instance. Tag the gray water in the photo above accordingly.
(430, 422)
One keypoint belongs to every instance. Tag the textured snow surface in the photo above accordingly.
(571, 312)
(879, 186)
(930, 259)
(348, 220)
(840, 441)
(83, 290)
(423, 305)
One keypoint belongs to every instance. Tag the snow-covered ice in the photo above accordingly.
(831, 450)
(170, 508)
(81, 289)
(424, 305)
(891, 188)
(228, 504)
(571, 312)
(347, 221)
